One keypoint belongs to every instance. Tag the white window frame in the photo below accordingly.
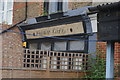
(5, 17)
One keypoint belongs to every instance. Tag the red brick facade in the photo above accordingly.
(101, 47)
(12, 42)
(12, 50)
(34, 9)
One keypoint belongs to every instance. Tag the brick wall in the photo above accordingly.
(34, 9)
(75, 5)
(101, 47)
(0, 54)
(12, 50)
(117, 59)
(12, 54)
(12, 42)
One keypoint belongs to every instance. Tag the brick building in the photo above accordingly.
(12, 50)
(11, 44)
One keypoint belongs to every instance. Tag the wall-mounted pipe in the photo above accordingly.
(18, 22)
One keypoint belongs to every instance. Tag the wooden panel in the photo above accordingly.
(14, 73)
(60, 30)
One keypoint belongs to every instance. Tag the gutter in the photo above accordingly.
(18, 22)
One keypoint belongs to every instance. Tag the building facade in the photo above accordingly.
(38, 59)
(13, 52)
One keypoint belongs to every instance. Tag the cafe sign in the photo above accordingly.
(59, 30)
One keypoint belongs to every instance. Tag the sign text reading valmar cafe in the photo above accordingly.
(66, 29)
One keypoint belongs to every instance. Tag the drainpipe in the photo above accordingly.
(18, 22)
(21, 30)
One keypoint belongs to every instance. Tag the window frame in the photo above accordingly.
(5, 10)
(52, 41)
(62, 6)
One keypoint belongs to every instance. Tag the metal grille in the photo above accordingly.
(54, 61)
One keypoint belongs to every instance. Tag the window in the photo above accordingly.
(60, 45)
(6, 11)
(33, 46)
(70, 46)
(54, 6)
(76, 45)
(45, 46)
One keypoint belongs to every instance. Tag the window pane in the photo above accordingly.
(60, 45)
(33, 45)
(9, 5)
(3, 17)
(9, 11)
(54, 62)
(76, 45)
(46, 46)
(53, 6)
(44, 62)
(77, 63)
(1, 5)
(65, 5)
(1, 10)
(0, 17)
(9, 17)
(64, 62)
(60, 8)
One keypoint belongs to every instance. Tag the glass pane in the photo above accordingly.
(9, 17)
(3, 17)
(60, 45)
(64, 62)
(53, 6)
(53, 62)
(60, 8)
(46, 46)
(77, 62)
(9, 5)
(44, 62)
(1, 5)
(0, 18)
(65, 5)
(1, 11)
(76, 45)
(9, 11)
(33, 45)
